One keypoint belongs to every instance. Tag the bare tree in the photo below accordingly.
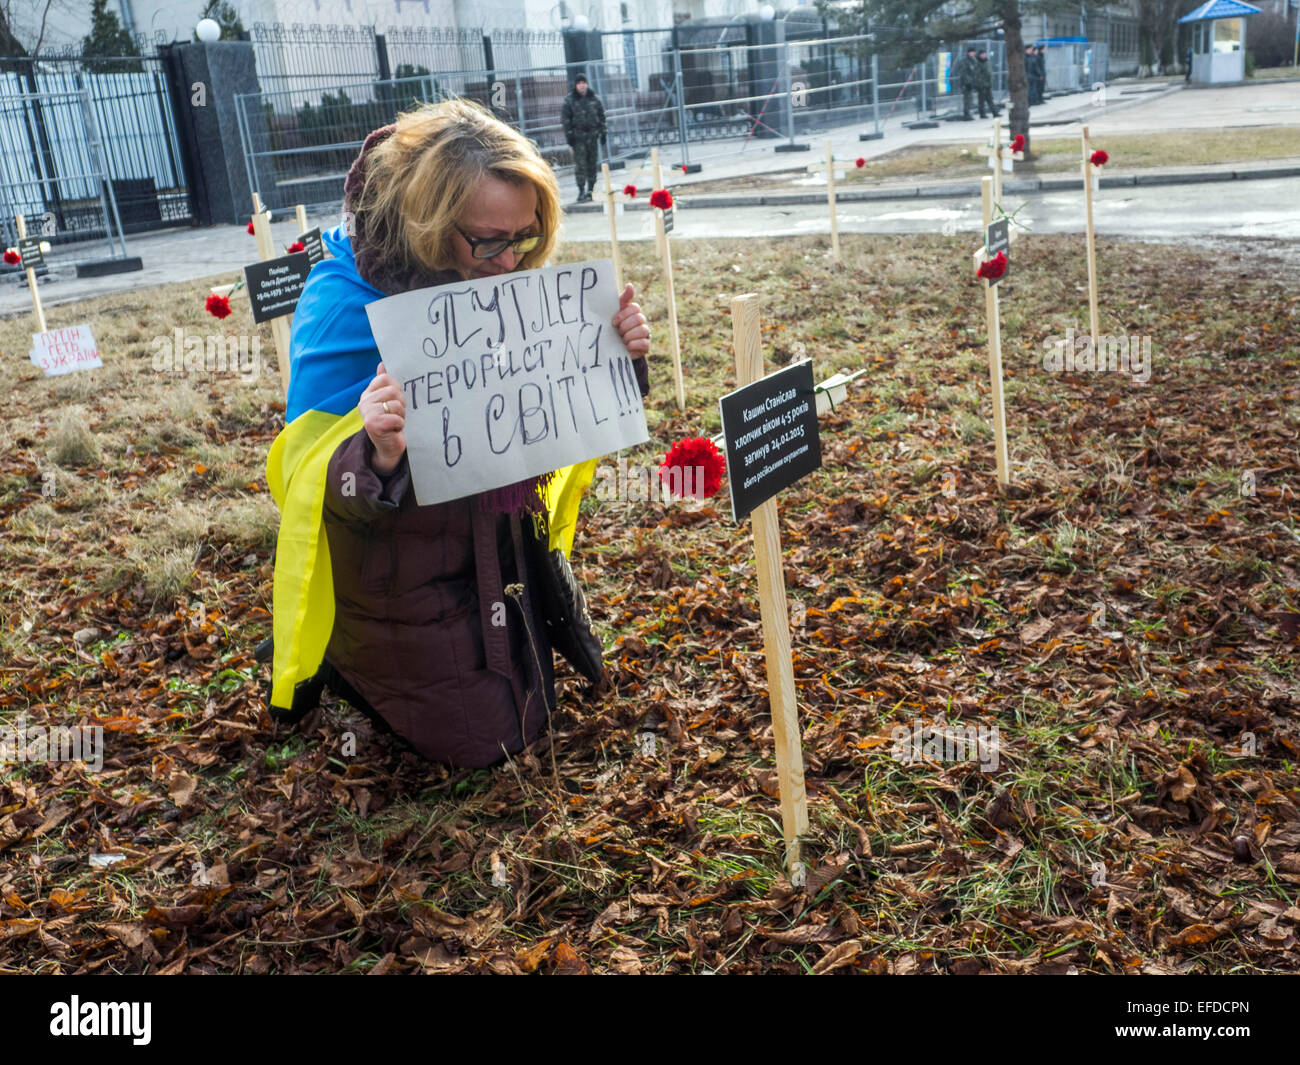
(913, 29)
(22, 26)
(1157, 34)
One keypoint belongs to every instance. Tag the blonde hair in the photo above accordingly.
(419, 180)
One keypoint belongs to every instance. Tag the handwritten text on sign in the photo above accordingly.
(61, 351)
(509, 377)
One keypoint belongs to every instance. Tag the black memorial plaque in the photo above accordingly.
(772, 436)
(313, 245)
(997, 238)
(30, 250)
(275, 285)
(668, 220)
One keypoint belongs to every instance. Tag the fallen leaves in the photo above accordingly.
(1122, 614)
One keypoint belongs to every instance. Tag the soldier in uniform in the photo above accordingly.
(984, 84)
(583, 116)
(966, 81)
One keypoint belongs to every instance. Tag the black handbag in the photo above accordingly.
(561, 602)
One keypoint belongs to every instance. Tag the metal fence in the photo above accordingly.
(660, 87)
(416, 50)
(52, 113)
(1075, 65)
(314, 58)
(53, 171)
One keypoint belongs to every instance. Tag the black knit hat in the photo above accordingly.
(580, 77)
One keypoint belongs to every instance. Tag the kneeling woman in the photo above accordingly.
(403, 610)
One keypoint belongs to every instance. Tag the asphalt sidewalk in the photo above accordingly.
(946, 189)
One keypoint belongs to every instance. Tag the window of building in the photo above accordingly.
(1227, 35)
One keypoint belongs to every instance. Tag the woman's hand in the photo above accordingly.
(383, 414)
(632, 325)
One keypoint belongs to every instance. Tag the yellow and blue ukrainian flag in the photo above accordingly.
(332, 360)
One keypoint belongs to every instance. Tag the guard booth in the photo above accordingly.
(1219, 41)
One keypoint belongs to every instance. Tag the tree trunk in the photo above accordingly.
(1017, 81)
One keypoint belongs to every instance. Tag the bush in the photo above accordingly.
(1270, 37)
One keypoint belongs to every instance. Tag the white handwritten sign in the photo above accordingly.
(509, 377)
(61, 351)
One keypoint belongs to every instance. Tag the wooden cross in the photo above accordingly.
(613, 197)
(827, 167)
(1090, 182)
(994, 323)
(235, 289)
(280, 327)
(774, 611)
(21, 223)
(1001, 158)
(666, 254)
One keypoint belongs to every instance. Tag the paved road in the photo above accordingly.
(1124, 107)
(1193, 213)
(1242, 210)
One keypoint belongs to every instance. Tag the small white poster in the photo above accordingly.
(509, 377)
(61, 351)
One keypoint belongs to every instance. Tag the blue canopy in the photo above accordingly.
(1220, 9)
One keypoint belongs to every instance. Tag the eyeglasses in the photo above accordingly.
(491, 247)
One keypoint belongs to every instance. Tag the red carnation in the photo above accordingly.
(1100, 158)
(12, 257)
(993, 268)
(1018, 144)
(684, 168)
(250, 229)
(661, 198)
(859, 162)
(217, 306)
(296, 246)
(697, 454)
(629, 190)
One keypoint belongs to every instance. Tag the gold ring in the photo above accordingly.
(385, 406)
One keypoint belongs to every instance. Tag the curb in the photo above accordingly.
(794, 199)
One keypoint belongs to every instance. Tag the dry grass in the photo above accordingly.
(900, 548)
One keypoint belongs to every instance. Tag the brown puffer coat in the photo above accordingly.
(423, 627)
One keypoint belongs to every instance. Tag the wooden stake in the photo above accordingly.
(829, 166)
(830, 200)
(992, 315)
(300, 212)
(280, 327)
(997, 162)
(1002, 159)
(613, 227)
(1092, 241)
(31, 278)
(666, 254)
(747, 338)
